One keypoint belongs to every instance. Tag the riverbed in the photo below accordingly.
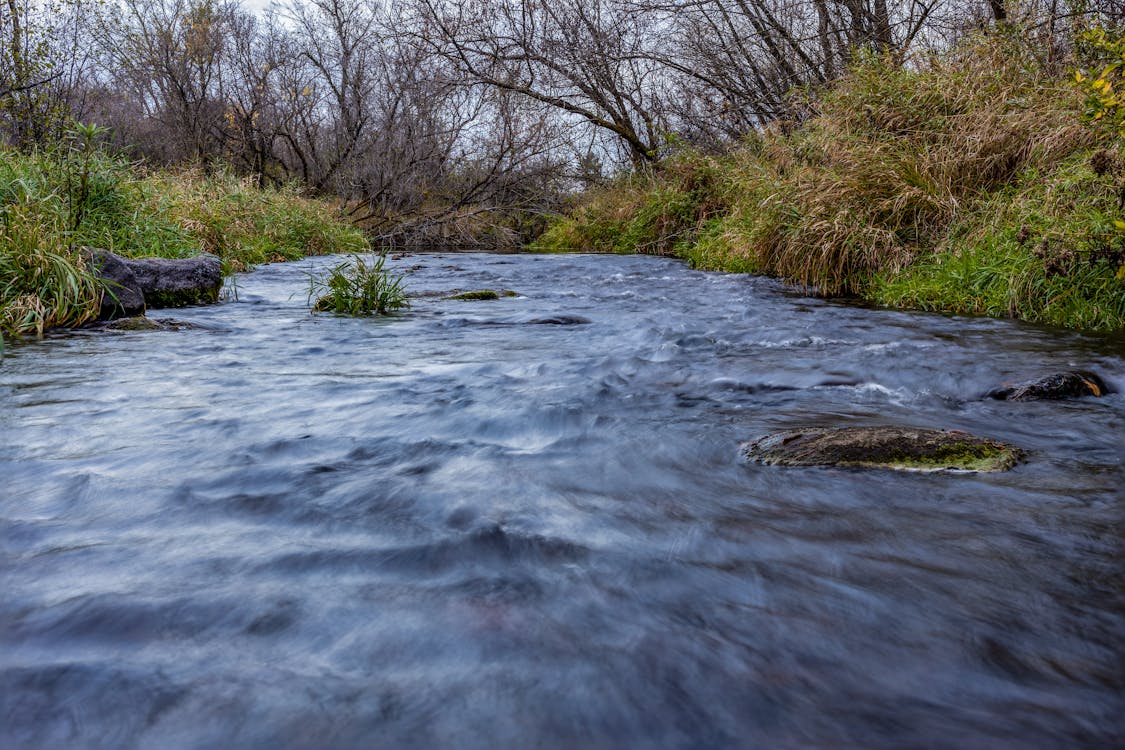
(526, 522)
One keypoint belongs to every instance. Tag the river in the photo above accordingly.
(473, 526)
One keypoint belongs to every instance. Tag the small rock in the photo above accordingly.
(559, 320)
(902, 448)
(1073, 384)
(484, 294)
(143, 323)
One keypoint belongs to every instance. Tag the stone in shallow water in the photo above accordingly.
(1072, 384)
(903, 448)
(142, 323)
(559, 320)
(484, 294)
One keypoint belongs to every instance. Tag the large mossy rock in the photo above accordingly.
(130, 285)
(169, 282)
(1072, 384)
(122, 296)
(903, 448)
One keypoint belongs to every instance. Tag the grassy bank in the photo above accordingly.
(968, 184)
(53, 204)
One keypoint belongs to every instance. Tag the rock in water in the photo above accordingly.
(559, 320)
(170, 282)
(1061, 385)
(122, 296)
(484, 294)
(903, 448)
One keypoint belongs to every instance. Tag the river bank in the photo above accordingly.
(966, 184)
(54, 204)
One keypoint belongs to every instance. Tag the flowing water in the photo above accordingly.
(488, 524)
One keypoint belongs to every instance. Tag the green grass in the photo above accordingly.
(1044, 249)
(245, 225)
(54, 203)
(968, 183)
(358, 287)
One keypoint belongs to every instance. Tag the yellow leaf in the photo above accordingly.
(1119, 224)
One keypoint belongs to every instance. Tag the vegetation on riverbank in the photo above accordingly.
(969, 183)
(54, 203)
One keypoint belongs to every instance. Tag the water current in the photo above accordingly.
(526, 523)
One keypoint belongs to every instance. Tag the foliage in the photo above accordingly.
(246, 225)
(1043, 249)
(53, 203)
(357, 287)
(965, 183)
(1105, 106)
(1105, 89)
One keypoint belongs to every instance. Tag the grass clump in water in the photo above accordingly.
(357, 287)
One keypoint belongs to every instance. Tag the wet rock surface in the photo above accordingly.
(902, 448)
(484, 294)
(144, 323)
(1072, 384)
(560, 320)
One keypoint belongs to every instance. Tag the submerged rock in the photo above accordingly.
(143, 323)
(1072, 384)
(132, 285)
(559, 320)
(483, 294)
(903, 448)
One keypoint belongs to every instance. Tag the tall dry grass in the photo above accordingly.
(887, 170)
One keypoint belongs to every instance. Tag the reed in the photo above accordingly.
(358, 287)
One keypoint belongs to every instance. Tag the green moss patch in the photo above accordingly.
(484, 294)
(904, 449)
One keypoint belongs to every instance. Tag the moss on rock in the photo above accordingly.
(901, 448)
(484, 294)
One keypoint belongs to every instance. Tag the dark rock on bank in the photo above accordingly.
(903, 448)
(130, 285)
(169, 282)
(122, 296)
(1073, 384)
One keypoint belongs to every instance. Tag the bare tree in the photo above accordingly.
(45, 68)
(589, 60)
(168, 57)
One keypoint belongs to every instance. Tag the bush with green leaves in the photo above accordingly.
(358, 287)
